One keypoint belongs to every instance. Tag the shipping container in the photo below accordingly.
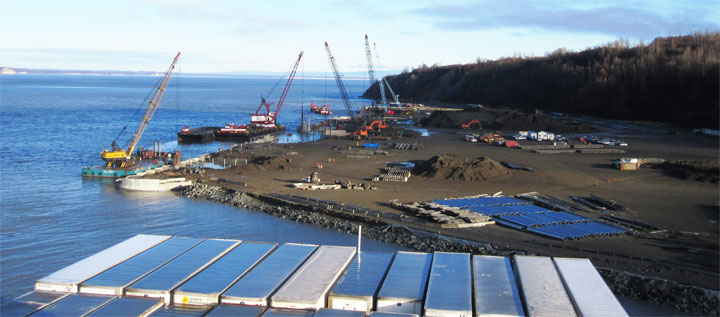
(181, 310)
(68, 279)
(236, 310)
(256, 287)
(74, 305)
(496, 292)
(309, 286)
(587, 289)
(30, 302)
(542, 290)
(403, 290)
(356, 289)
(205, 287)
(329, 312)
(114, 280)
(286, 312)
(386, 314)
(160, 283)
(449, 291)
(128, 306)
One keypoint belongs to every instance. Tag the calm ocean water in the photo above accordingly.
(53, 125)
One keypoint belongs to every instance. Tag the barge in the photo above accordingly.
(197, 135)
(246, 133)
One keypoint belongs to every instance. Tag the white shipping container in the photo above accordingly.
(587, 289)
(542, 289)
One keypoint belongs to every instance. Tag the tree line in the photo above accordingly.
(672, 79)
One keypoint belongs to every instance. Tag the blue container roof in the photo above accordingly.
(267, 276)
(174, 272)
(181, 310)
(125, 306)
(364, 275)
(130, 270)
(236, 310)
(219, 275)
(73, 305)
(450, 284)
(407, 277)
(329, 312)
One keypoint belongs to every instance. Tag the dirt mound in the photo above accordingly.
(461, 168)
(504, 120)
(269, 162)
(699, 170)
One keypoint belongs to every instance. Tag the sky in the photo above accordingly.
(217, 36)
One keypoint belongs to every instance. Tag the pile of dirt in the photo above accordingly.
(461, 168)
(699, 170)
(269, 162)
(503, 120)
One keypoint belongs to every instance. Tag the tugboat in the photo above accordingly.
(121, 162)
(323, 110)
(260, 123)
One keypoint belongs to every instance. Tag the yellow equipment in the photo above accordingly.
(119, 157)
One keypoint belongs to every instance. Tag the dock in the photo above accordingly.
(150, 275)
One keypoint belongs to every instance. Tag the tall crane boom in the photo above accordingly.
(287, 86)
(368, 54)
(340, 84)
(118, 157)
(382, 89)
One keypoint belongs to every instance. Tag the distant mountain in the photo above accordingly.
(14, 70)
(673, 79)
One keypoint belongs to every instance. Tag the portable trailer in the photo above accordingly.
(74, 305)
(356, 290)
(449, 291)
(161, 283)
(496, 292)
(181, 310)
(403, 290)
(114, 280)
(68, 278)
(236, 310)
(542, 288)
(128, 306)
(587, 289)
(256, 287)
(205, 287)
(309, 286)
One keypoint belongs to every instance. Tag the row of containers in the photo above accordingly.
(163, 275)
(523, 215)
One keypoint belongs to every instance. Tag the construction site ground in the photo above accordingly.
(684, 249)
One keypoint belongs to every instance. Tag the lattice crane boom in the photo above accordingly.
(340, 84)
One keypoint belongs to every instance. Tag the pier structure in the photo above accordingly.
(151, 275)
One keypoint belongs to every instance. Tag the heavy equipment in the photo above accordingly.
(122, 157)
(384, 83)
(470, 124)
(268, 120)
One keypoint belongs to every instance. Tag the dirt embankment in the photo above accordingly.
(699, 170)
(504, 120)
(462, 168)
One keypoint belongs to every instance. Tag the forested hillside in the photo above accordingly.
(673, 79)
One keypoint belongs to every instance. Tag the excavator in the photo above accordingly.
(122, 157)
(470, 123)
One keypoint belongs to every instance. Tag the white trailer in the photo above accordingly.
(496, 293)
(256, 287)
(114, 280)
(309, 286)
(68, 279)
(404, 288)
(587, 289)
(449, 291)
(206, 287)
(161, 283)
(356, 289)
(542, 287)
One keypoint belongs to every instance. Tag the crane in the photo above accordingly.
(382, 89)
(371, 72)
(120, 157)
(268, 119)
(340, 84)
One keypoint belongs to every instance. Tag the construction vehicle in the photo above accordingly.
(470, 123)
(382, 83)
(377, 124)
(122, 158)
